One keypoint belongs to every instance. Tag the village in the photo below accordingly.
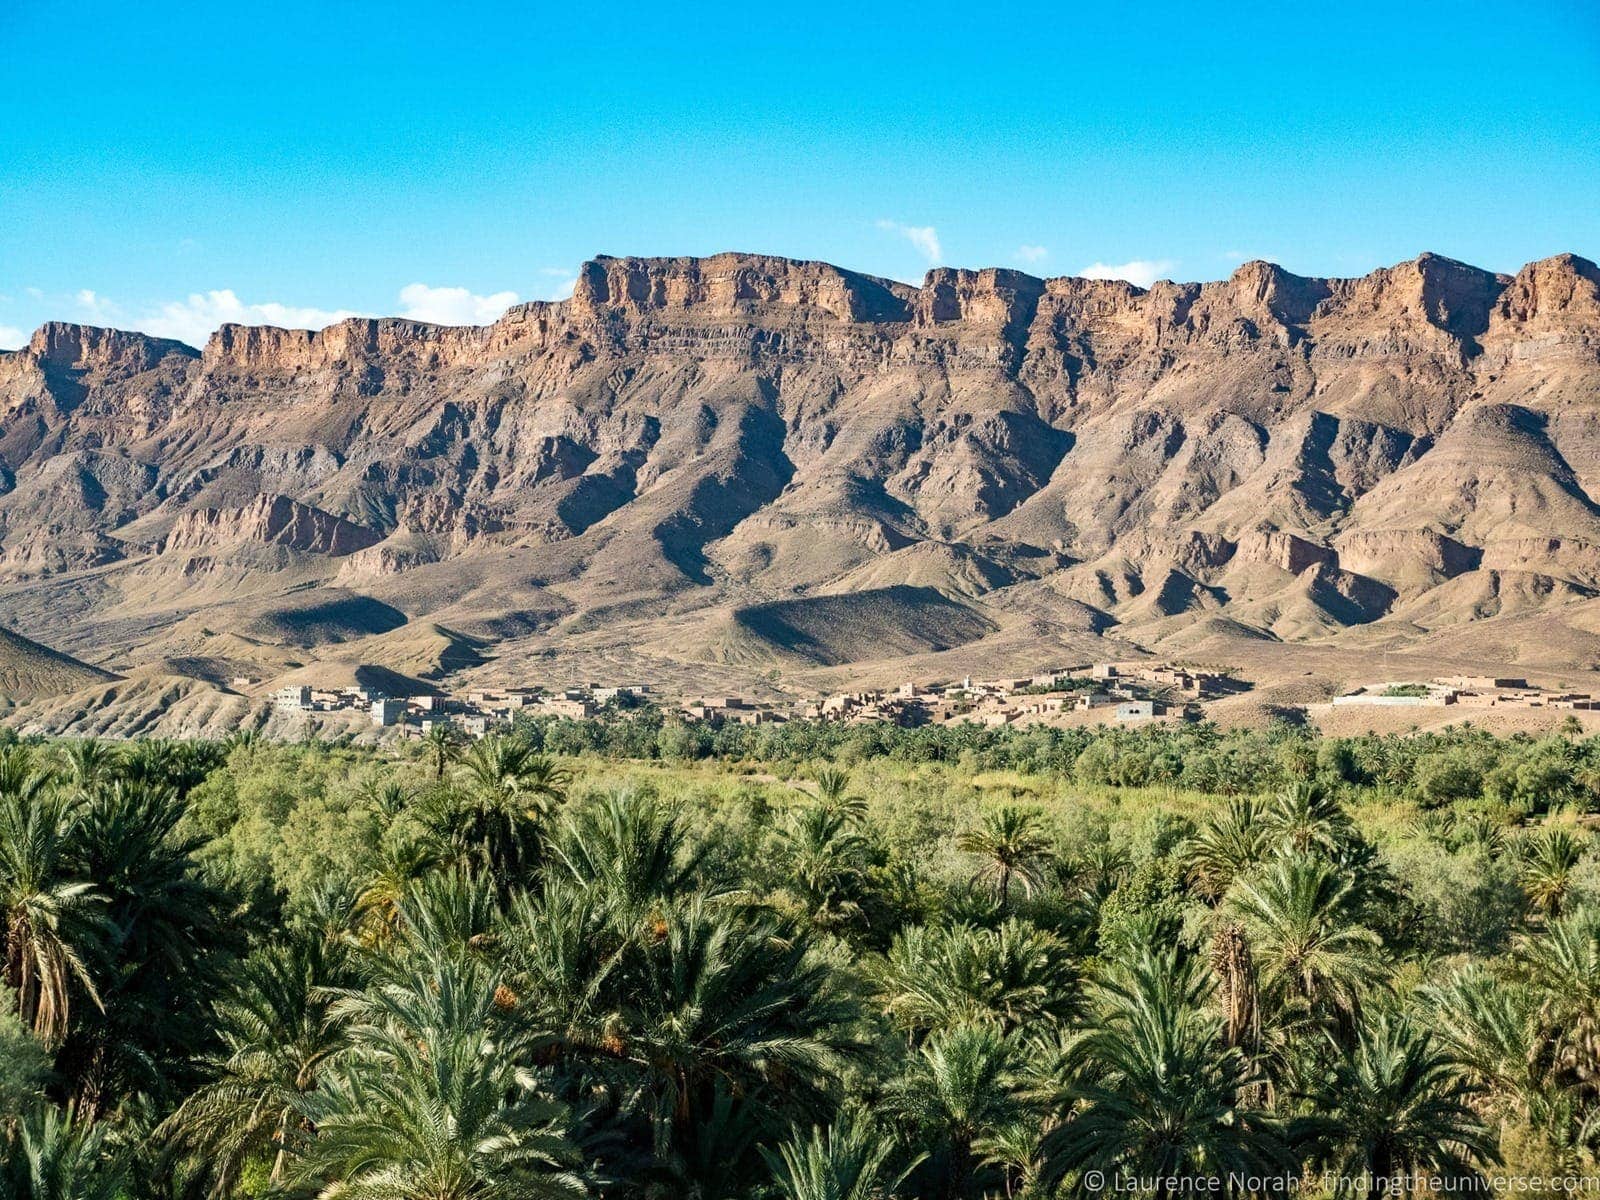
(1099, 693)
(1466, 691)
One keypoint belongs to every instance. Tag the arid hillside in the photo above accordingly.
(714, 469)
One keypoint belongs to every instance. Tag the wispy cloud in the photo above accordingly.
(95, 308)
(452, 305)
(193, 319)
(1031, 254)
(924, 237)
(1141, 272)
(11, 337)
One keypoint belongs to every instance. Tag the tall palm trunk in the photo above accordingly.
(960, 1166)
(1381, 1165)
(281, 1158)
(1235, 968)
(21, 977)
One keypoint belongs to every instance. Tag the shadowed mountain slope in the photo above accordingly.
(29, 671)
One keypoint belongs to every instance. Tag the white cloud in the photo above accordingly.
(193, 320)
(96, 308)
(1031, 254)
(1141, 272)
(452, 305)
(924, 237)
(12, 338)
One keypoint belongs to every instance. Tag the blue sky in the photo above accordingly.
(168, 166)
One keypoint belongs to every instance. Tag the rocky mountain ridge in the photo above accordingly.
(1034, 467)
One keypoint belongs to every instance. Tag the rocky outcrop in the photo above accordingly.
(1406, 557)
(1283, 550)
(1563, 558)
(271, 520)
(346, 346)
(106, 351)
(1557, 294)
(732, 285)
(1428, 291)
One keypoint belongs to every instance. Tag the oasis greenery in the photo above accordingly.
(638, 958)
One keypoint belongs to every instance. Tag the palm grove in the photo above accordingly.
(838, 965)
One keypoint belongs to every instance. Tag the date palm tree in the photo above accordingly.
(1306, 816)
(434, 1099)
(1549, 859)
(1562, 966)
(1227, 845)
(495, 824)
(1155, 1086)
(1011, 846)
(1314, 961)
(961, 1087)
(504, 768)
(89, 763)
(160, 762)
(722, 1160)
(1014, 1149)
(1015, 976)
(825, 864)
(447, 914)
(833, 786)
(565, 960)
(1491, 1027)
(848, 1160)
(675, 1016)
(24, 1065)
(164, 938)
(1237, 987)
(21, 775)
(400, 866)
(388, 800)
(278, 1033)
(443, 746)
(50, 1154)
(632, 848)
(1397, 1103)
(721, 997)
(54, 925)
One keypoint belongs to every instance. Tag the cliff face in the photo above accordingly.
(1304, 455)
(269, 520)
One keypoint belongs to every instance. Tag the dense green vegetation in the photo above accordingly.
(637, 958)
